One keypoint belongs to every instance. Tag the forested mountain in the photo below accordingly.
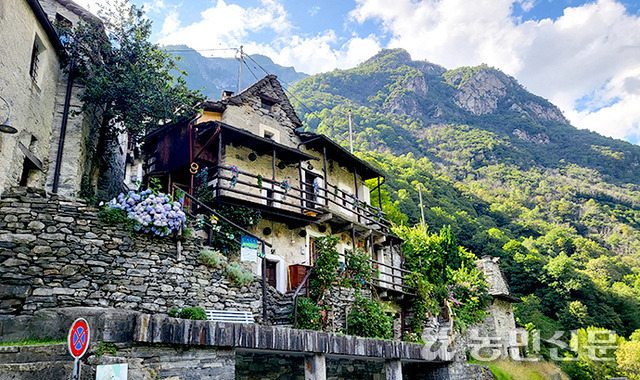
(214, 74)
(559, 206)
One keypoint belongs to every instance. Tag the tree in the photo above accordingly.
(125, 73)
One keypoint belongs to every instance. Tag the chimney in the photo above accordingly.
(226, 94)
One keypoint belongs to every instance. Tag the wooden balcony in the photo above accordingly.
(390, 277)
(294, 202)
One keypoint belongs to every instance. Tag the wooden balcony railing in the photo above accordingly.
(290, 197)
(390, 277)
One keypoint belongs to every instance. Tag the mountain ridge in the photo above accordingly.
(215, 74)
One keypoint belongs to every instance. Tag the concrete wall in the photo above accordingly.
(32, 102)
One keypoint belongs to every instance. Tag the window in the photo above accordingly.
(267, 105)
(63, 27)
(269, 132)
(37, 49)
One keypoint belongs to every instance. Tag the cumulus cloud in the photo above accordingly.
(591, 50)
(229, 24)
(171, 23)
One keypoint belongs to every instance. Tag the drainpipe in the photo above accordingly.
(63, 129)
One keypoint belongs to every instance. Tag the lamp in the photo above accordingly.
(6, 126)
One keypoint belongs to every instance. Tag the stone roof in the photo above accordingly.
(498, 286)
(256, 90)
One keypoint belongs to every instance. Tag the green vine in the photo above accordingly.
(423, 304)
(359, 267)
(325, 270)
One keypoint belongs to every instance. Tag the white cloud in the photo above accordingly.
(228, 24)
(592, 50)
(171, 23)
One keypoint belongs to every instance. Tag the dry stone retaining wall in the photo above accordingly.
(54, 252)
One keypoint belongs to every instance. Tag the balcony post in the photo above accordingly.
(273, 177)
(302, 194)
(353, 238)
(324, 162)
(379, 193)
(356, 201)
(264, 285)
(219, 171)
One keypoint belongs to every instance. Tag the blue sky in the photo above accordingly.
(584, 56)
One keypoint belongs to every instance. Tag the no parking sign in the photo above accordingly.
(78, 343)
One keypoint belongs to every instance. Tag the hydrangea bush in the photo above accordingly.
(151, 211)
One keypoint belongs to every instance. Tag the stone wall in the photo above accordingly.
(54, 252)
(253, 365)
(353, 369)
(340, 300)
(145, 362)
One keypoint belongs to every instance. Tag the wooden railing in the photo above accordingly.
(294, 198)
(396, 275)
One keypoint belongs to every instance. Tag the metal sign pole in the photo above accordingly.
(75, 375)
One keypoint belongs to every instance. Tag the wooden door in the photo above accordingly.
(271, 273)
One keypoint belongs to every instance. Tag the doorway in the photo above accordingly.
(312, 181)
(271, 273)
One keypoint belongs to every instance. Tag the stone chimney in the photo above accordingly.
(226, 94)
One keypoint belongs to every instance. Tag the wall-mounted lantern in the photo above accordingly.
(6, 127)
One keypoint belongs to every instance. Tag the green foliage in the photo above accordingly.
(594, 349)
(369, 319)
(124, 72)
(238, 275)
(359, 267)
(106, 348)
(174, 313)
(211, 258)
(325, 269)
(308, 315)
(467, 296)
(242, 216)
(34, 342)
(438, 259)
(195, 312)
(424, 304)
(628, 359)
(115, 217)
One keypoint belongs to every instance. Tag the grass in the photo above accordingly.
(511, 370)
(34, 342)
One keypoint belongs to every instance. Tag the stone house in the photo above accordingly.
(29, 71)
(53, 146)
(246, 150)
(498, 334)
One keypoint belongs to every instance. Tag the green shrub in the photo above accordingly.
(237, 275)
(369, 319)
(308, 315)
(211, 258)
(325, 269)
(196, 312)
(115, 217)
(359, 267)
